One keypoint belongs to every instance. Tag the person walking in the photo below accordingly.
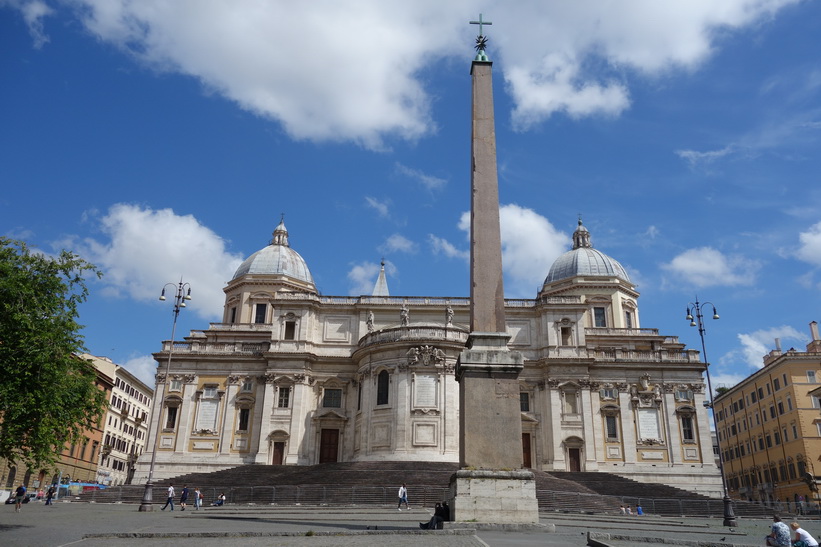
(170, 499)
(50, 495)
(183, 496)
(197, 499)
(19, 496)
(403, 497)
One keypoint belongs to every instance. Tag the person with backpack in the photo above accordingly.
(20, 495)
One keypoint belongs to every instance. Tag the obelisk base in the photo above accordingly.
(491, 496)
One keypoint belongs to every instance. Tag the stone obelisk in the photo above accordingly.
(490, 486)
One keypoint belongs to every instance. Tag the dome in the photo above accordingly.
(584, 260)
(277, 259)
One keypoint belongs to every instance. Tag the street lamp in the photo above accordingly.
(696, 319)
(183, 293)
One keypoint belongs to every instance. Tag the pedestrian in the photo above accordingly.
(802, 537)
(403, 497)
(639, 510)
(446, 511)
(170, 499)
(780, 534)
(629, 511)
(622, 510)
(435, 522)
(50, 495)
(19, 495)
(197, 499)
(184, 496)
(220, 501)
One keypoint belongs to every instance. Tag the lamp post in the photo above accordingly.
(696, 319)
(183, 293)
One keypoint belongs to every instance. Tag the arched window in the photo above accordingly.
(12, 475)
(382, 382)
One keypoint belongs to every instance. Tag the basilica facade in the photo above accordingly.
(291, 377)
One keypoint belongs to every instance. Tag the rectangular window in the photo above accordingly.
(760, 393)
(769, 391)
(290, 330)
(244, 415)
(784, 435)
(260, 311)
(570, 403)
(811, 376)
(209, 392)
(794, 431)
(761, 443)
(776, 384)
(818, 427)
(599, 318)
(789, 403)
(815, 402)
(609, 393)
(247, 385)
(171, 417)
(784, 376)
(733, 430)
(612, 428)
(772, 411)
(769, 440)
(777, 437)
(753, 396)
(757, 420)
(628, 319)
(687, 428)
(176, 385)
(284, 399)
(332, 398)
(524, 401)
(233, 318)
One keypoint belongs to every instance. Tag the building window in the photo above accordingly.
(684, 395)
(609, 393)
(284, 399)
(247, 385)
(244, 415)
(811, 376)
(382, 387)
(524, 401)
(761, 443)
(599, 318)
(815, 402)
(628, 319)
(761, 393)
(171, 417)
(753, 396)
(776, 384)
(176, 385)
(794, 431)
(768, 440)
(567, 336)
(571, 402)
(332, 398)
(290, 330)
(260, 311)
(612, 427)
(789, 403)
(233, 318)
(780, 407)
(777, 437)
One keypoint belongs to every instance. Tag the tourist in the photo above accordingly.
(170, 499)
(403, 497)
(622, 510)
(629, 511)
(183, 496)
(50, 495)
(446, 511)
(20, 495)
(639, 510)
(220, 501)
(435, 522)
(197, 499)
(780, 535)
(802, 537)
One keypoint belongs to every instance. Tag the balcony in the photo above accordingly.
(257, 348)
(413, 333)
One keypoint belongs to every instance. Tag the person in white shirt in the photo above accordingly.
(403, 497)
(802, 537)
(170, 500)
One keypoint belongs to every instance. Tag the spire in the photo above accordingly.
(280, 233)
(581, 237)
(481, 40)
(381, 287)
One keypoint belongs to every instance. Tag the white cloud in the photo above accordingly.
(340, 71)
(144, 367)
(530, 245)
(810, 249)
(428, 181)
(756, 344)
(146, 248)
(707, 267)
(362, 277)
(381, 207)
(398, 243)
(695, 158)
(442, 246)
(33, 12)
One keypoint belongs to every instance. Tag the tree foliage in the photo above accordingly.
(48, 395)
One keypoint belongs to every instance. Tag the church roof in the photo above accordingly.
(277, 259)
(381, 287)
(584, 260)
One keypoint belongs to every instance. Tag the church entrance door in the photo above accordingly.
(279, 453)
(526, 463)
(574, 455)
(328, 445)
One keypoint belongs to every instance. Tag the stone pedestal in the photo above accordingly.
(489, 496)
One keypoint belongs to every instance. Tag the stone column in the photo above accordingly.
(227, 429)
(628, 428)
(259, 438)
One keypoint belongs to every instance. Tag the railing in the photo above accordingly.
(612, 331)
(454, 334)
(218, 347)
(427, 496)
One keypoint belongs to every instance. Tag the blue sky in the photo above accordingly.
(162, 140)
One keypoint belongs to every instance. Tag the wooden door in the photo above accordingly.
(328, 445)
(526, 463)
(574, 455)
(279, 453)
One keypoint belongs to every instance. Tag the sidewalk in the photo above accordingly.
(112, 525)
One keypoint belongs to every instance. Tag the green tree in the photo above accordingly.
(48, 395)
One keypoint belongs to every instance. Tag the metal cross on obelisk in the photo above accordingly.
(480, 22)
(490, 486)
